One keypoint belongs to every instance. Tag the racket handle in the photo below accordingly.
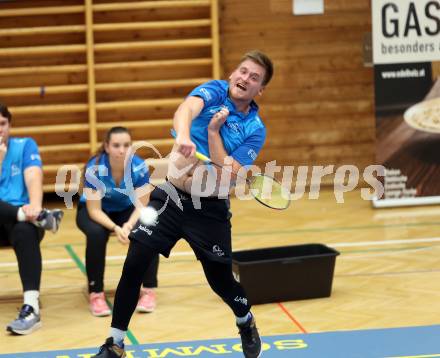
(202, 157)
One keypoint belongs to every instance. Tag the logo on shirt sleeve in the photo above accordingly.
(252, 154)
(35, 157)
(206, 94)
(141, 169)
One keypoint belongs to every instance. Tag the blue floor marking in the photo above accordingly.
(423, 341)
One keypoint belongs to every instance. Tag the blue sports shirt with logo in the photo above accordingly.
(116, 198)
(243, 134)
(21, 154)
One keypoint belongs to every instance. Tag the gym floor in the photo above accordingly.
(385, 296)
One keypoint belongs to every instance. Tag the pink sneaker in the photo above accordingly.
(98, 305)
(147, 300)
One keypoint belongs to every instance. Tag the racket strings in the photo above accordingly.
(269, 191)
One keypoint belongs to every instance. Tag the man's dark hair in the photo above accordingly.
(5, 112)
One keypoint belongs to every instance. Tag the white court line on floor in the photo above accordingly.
(385, 242)
(190, 253)
(108, 258)
(356, 256)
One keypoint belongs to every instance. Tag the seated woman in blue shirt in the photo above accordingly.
(108, 205)
(22, 218)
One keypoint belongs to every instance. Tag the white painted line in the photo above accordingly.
(385, 242)
(190, 253)
(45, 262)
(108, 258)
(372, 254)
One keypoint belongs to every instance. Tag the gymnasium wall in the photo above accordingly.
(319, 106)
(147, 55)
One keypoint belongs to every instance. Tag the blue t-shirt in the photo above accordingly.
(99, 177)
(21, 154)
(243, 135)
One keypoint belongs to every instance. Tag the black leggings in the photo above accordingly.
(219, 276)
(97, 237)
(8, 213)
(25, 239)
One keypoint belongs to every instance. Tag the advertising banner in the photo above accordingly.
(406, 56)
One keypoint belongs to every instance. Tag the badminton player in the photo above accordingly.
(221, 120)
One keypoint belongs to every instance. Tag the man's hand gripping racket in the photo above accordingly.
(265, 189)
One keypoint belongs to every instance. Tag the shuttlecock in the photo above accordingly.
(148, 216)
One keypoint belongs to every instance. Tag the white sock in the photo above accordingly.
(244, 319)
(21, 216)
(31, 299)
(118, 336)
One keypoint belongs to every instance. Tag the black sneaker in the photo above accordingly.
(110, 350)
(250, 339)
(49, 219)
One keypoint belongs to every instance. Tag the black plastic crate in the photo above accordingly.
(285, 273)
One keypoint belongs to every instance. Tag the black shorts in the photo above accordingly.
(203, 222)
